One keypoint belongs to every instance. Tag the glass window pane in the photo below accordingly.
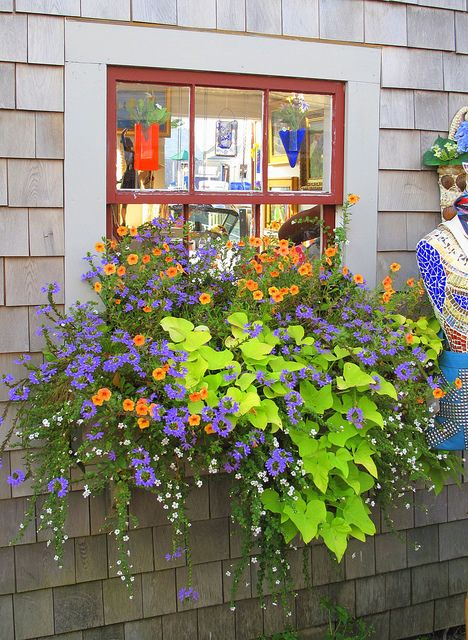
(232, 222)
(152, 137)
(228, 139)
(300, 140)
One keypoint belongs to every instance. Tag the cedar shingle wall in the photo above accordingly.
(404, 585)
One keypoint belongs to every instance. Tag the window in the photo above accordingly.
(236, 154)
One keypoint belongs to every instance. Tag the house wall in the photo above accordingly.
(406, 584)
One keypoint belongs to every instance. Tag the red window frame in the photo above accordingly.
(193, 79)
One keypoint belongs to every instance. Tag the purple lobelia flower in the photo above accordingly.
(188, 594)
(141, 457)
(355, 416)
(145, 477)
(16, 478)
(59, 486)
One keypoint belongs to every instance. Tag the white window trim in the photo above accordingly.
(90, 47)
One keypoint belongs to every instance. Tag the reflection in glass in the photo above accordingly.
(228, 138)
(232, 222)
(300, 139)
(152, 137)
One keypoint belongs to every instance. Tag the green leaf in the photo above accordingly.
(355, 512)
(195, 371)
(178, 328)
(353, 376)
(386, 388)
(272, 412)
(238, 319)
(363, 455)
(316, 400)
(319, 466)
(245, 381)
(369, 410)
(255, 350)
(195, 339)
(271, 501)
(258, 418)
(216, 359)
(341, 437)
(307, 521)
(289, 530)
(335, 535)
(296, 332)
(340, 461)
(250, 399)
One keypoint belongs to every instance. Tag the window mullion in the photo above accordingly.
(192, 140)
(266, 99)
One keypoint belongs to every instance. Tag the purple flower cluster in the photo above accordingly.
(278, 461)
(59, 486)
(355, 416)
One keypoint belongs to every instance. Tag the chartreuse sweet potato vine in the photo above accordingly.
(242, 358)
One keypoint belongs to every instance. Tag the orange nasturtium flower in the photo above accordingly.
(157, 252)
(358, 279)
(209, 429)
(113, 244)
(438, 393)
(303, 270)
(194, 420)
(104, 393)
(100, 247)
(254, 241)
(97, 287)
(132, 258)
(128, 405)
(171, 272)
(205, 298)
(195, 396)
(420, 400)
(330, 252)
(146, 258)
(142, 408)
(458, 383)
(133, 231)
(143, 423)
(147, 309)
(139, 340)
(109, 269)
(278, 297)
(251, 285)
(345, 271)
(229, 244)
(387, 283)
(159, 373)
(410, 282)
(274, 273)
(257, 266)
(386, 296)
(395, 266)
(409, 338)
(272, 290)
(257, 295)
(294, 290)
(121, 271)
(122, 231)
(204, 393)
(97, 400)
(353, 198)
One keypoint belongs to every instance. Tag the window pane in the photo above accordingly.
(232, 222)
(300, 141)
(228, 139)
(152, 137)
(297, 223)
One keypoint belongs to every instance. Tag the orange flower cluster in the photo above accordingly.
(102, 395)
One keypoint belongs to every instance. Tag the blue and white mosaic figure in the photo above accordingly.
(443, 261)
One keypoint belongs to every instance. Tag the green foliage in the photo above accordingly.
(444, 152)
(342, 625)
(289, 375)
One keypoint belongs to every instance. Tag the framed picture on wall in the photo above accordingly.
(281, 212)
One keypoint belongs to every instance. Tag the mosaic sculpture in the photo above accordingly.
(443, 261)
